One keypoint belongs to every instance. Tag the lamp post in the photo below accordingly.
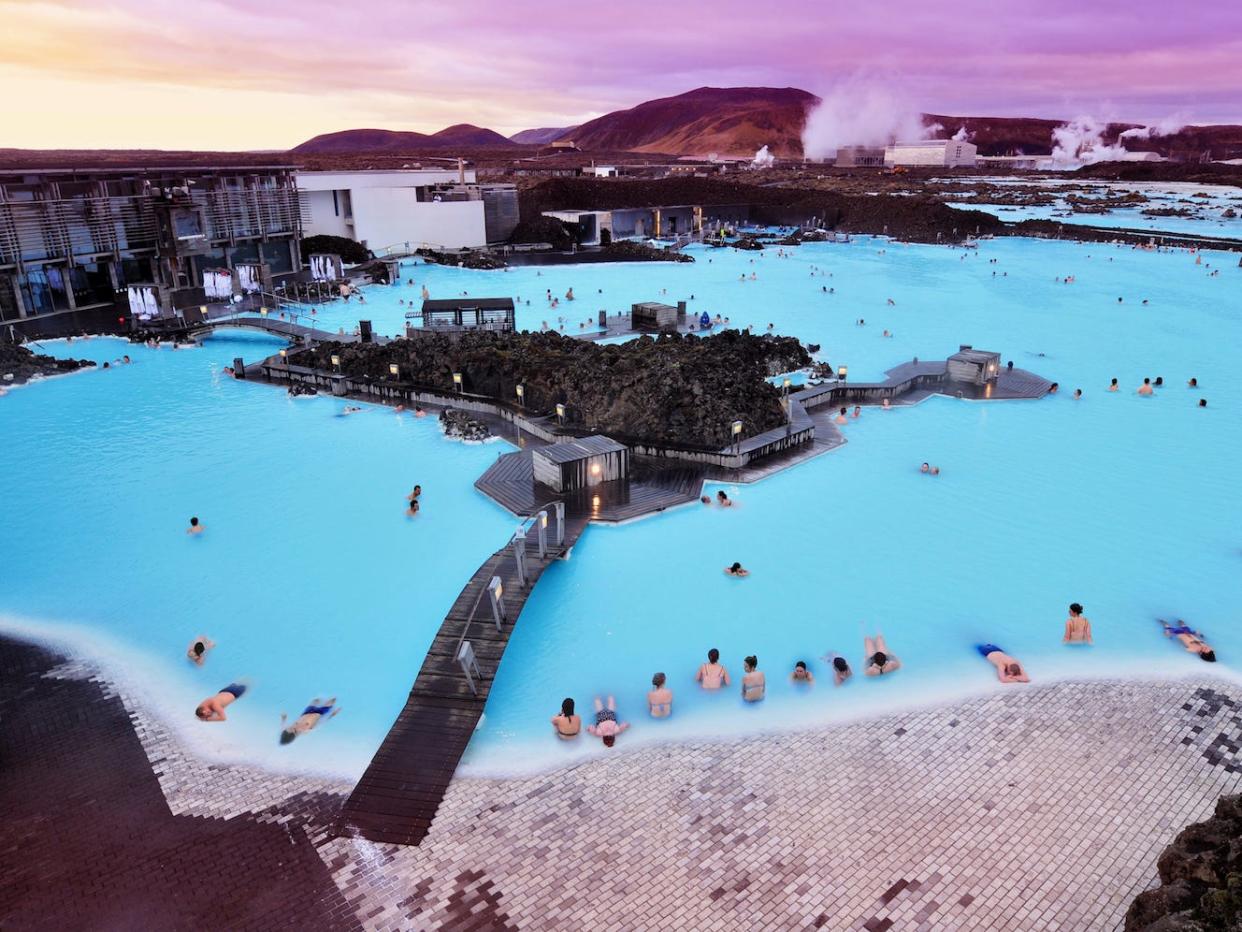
(560, 414)
(842, 372)
(336, 362)
(457, 382)
(737, 436)
(521, 395)
(394, 370)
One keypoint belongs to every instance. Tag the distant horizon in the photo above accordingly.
(226, 76)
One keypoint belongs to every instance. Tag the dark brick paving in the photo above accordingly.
(87, 840)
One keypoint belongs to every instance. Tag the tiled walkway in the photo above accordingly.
(1036, 808)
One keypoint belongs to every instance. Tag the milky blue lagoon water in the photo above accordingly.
(313, 582)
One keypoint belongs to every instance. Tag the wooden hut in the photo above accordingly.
(581, 463)
(652, 315)
(972, 366)
(469, 314)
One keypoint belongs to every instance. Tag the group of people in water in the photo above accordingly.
(878, 660)
(212, 709)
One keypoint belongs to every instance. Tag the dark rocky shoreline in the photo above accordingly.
(668, 389)
(1200, 878)
(19, 365)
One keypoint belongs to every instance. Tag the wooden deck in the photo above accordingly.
(398, 795)
(652, 486)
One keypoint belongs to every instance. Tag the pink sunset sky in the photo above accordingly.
(224, 74)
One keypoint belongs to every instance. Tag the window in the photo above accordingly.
(336, 205)
(8, 298)
(91, 284)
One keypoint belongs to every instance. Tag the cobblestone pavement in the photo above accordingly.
(1036, 808)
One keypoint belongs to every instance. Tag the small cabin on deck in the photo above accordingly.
(973, 367)
(652, 315)
(469, 314)
(581, 463)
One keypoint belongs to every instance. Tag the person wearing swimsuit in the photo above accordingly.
(660, 698)
(317, 712)
(212, 708)
(606, 726)
(712, 675)
(877, 658)
(753, 682)
(1192, 640)
(568, 725)
(1077, 628)
(1008, 670)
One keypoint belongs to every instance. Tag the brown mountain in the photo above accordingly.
(386, 140)
(541, 136)
(724, 120)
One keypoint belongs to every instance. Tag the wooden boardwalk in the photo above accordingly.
(652, 486)
(398, 795)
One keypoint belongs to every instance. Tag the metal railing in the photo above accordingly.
(463, 652)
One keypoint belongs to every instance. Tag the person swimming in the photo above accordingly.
(606, 726)
(316, 713)
(877, 658)
(1202, 402)
(1077, 393)
(857, 411)
(736, 570)
(840, 668)
(723, 499)
(1077, 628)
(1192, 640)
(660, 698)
(712, 675)
(840, 418)
(1145, 388)
(1113, 386)
(754, 685)
(413, 508)
(196, 653)
(195, 527)
(418, 490)
(801, 674)
(1193, 383)
(568, 725)
(212, 708)
(1008, 670)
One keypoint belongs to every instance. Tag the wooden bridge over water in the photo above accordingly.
(398, 795)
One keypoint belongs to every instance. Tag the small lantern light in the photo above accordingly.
(560, 412)
(498, 587)
(543, 518)
(595, 469)
(202, 309)
(393, 369)
(263, 311)
(521, 392)
(737, 428)
(336, 360)
(284, 354)
(842, 372)
(457, 381)
(788, 382)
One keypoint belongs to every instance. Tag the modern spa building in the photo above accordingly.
(439, 208)
(75, 241)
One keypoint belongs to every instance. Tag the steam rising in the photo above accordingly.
(961, 135)
(1081, 141)
(763, 159)
(1166, 127)
(859, 112)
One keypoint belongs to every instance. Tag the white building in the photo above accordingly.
(383, 208)
(937, 153)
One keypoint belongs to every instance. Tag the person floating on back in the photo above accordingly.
(606, 726)
(1192, 640)
(1008, 670)
(195, 527)
(660, 698)
(314, 714)
(877, 658)
(212, 708)
(736, 570)
(712, 675)
(1077, 628)
(196, 653)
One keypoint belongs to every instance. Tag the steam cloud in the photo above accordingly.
(859, 112)
(961, 135)
(1081, 141)
(763, 159)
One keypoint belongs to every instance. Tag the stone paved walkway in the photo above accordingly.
(1038, 808)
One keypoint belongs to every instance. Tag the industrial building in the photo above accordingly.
(933, 153)
(860, 157)
(78, 247)
(445, 208)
